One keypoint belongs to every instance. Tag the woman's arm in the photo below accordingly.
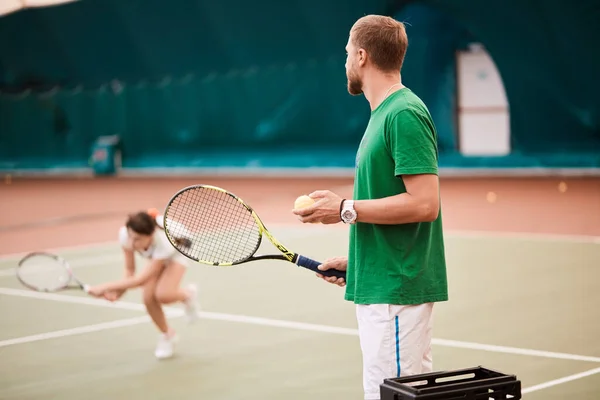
(129, 262)
(129, 282)
(129, 255)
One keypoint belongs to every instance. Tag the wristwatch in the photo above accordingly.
(347, 211)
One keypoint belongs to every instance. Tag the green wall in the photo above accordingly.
(232, 83)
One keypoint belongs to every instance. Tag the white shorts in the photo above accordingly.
(395, 341)
(179, 259)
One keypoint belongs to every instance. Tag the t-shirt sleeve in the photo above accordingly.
(163, 250)
(412, 143)
(124, 238)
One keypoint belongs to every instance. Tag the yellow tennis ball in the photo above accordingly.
(303, 201)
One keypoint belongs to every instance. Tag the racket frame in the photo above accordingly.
(286, 254)
(64, 263)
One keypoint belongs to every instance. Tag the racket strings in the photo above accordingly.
(221, 229)
(231, 214)
(212, 215)
(43, 273)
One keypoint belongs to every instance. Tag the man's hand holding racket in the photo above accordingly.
(338, 263)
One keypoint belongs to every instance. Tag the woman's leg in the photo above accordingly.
(153, 307)
(164, 347)
(168, 289)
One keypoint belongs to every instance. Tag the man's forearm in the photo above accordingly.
(399, 209)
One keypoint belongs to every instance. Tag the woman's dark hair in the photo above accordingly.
(145, 224)
(142, 223)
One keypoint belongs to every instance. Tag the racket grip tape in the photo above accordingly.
(314, 266)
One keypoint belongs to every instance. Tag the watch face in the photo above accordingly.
(348, 214)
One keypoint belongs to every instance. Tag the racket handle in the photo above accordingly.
(314, 266)
(86, 288)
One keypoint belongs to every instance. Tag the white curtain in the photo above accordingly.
(9, 6)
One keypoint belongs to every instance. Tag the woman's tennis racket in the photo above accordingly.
(46, 272)
(224, 230)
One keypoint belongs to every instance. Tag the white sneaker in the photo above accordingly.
(165, 346)
(191, 304)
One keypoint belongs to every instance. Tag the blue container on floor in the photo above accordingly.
(106, 155)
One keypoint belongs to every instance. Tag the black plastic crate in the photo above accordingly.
(476, 383)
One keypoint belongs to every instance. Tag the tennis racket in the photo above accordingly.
(46, 272)
(223, 230)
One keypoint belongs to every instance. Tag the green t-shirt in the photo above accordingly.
(405, 263)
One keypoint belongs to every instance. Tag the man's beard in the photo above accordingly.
(354, 85)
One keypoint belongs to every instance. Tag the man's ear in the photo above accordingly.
(361, 57)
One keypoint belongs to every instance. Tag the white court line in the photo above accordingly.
(289, 324)
(85, 262)
(560, 381)
(472, 234)
(89, 301)
(525, 236)
(89, 246)
(513, 350)
(272, 227)
(75, 331)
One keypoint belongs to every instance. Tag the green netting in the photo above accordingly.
(188, 120)
(546, 52)
(237, 83)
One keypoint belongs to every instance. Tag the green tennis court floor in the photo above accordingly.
(524, 306)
